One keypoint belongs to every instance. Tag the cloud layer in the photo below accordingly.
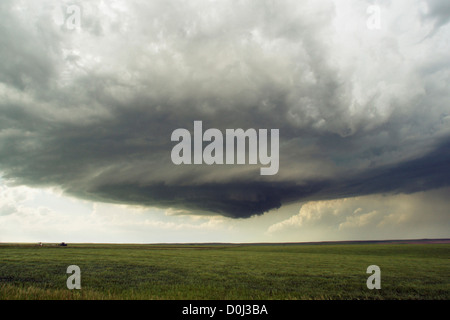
(371, 217)
(91, 110)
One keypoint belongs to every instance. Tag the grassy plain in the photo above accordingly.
(225, 272)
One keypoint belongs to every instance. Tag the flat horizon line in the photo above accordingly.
(417, 240)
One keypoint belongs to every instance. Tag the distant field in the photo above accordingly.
(225, 272)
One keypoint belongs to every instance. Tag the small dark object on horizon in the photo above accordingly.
(62, 244)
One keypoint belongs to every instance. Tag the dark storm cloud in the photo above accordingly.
(92, 111)
(425, 173)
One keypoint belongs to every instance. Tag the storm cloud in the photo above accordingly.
(91, 109)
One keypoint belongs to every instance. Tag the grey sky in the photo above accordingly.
(91, 110)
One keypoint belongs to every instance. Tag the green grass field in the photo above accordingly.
(225, 272)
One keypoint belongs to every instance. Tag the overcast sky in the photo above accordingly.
(90, 92)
